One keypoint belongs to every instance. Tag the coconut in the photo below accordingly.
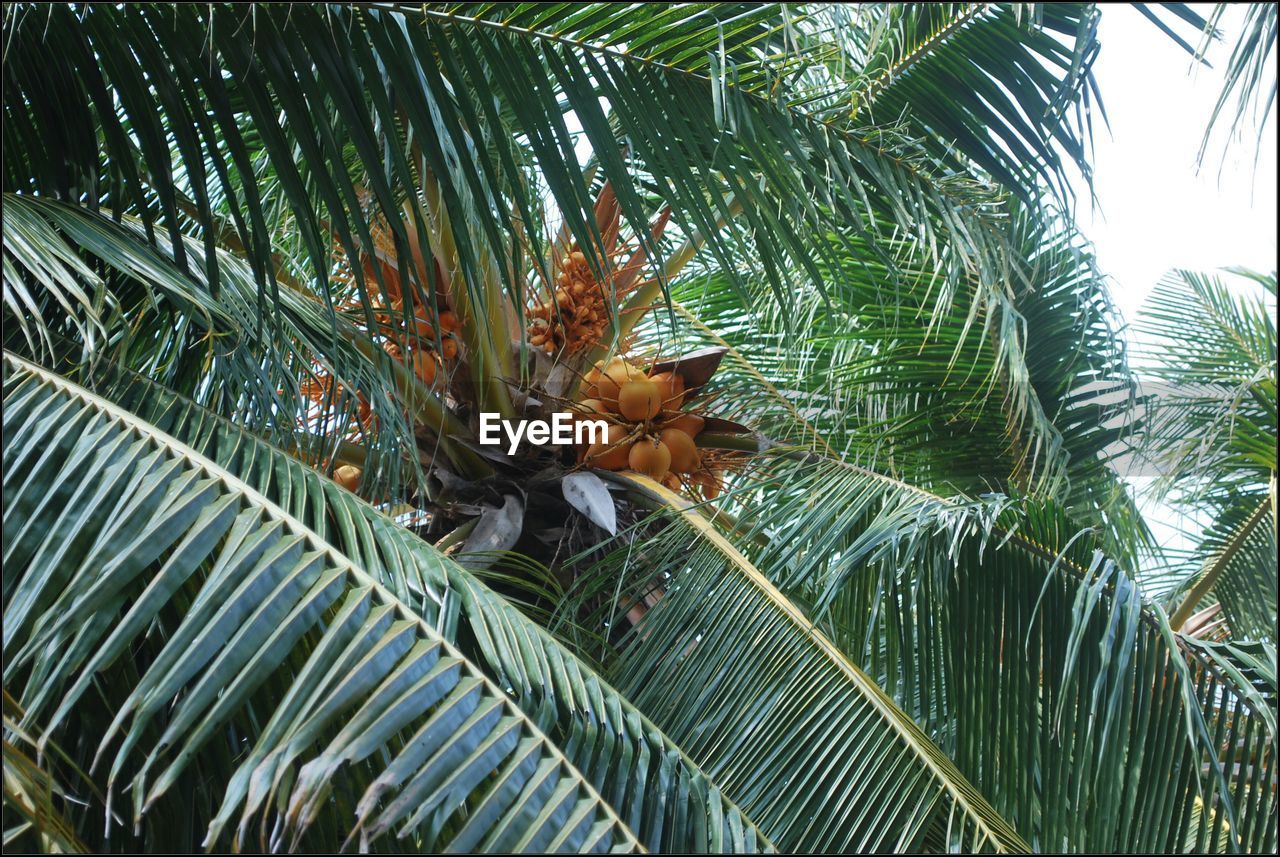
(684, 454)
(670, 388)
(348, 476)
(589, 380)
(614, 374)
(639, 400)
(424, 366)
(690, 424)
(423, 328)
(651, 458)
(587, 407)
(613, 453)
(709, 484)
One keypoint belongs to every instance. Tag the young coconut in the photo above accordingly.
(589, 388)
(614, 374)
(709, 484)
(424, 366)
(587, 407)
(690, 424)
(651, 457)
(639, 400)
(613, 453)
(684, 454)
(670, 388)
(348, 476)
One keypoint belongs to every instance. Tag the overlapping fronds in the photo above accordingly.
(301, 630)
(808, 743)
(999, 87)
(1213, 439)
(1029, 394)
(1024, 653)
(1246, 72)
(1213, 348)
(374, 99)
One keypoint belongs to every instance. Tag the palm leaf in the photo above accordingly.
(431, 603)
(1241, 574)
(1029, 657)
(808, 743)
(654, 786)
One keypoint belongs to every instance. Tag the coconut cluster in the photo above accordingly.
(648, 430)
(414, 344)
(577, 314)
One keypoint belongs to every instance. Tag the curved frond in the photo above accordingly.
(324, 626)
(651, 782)
(1029, 657)
(725, 659)
(1246, 73)
(119, 519)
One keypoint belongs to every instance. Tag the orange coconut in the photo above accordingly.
(589, 380)
(651, 458)
(613, 375)
(709, 483)
(690, 424)
(639, 400)
(671, 388)
(613, 452)
(424, 366)
(348, 476)
(684, 454)
(587, 407)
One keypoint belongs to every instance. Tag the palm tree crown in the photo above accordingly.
(851, 567)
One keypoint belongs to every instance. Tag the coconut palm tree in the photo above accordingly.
(849, 570)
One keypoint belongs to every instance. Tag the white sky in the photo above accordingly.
(1154, 211)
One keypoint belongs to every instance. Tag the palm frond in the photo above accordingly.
(1213, 349)
(1029, 657)
(1028, 394)
(1246, 73)
(652, 784)
(726, 661)
(1240, 573)
(992, 86)
(496, 88)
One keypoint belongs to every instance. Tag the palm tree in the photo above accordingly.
(1214, 435)
(265, 268)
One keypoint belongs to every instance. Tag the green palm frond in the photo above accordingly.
(1214, 350)
(1017, 647)
(993, 86)
(169, 326)
(1246, 72)
(731, 665)
(548, 705)
(492, 102)
(1240, 573)
(1029, 394)
(1213, 438)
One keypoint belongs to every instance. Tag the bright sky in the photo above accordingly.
(1155, 212)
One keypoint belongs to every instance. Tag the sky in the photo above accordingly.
(1155, 211)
